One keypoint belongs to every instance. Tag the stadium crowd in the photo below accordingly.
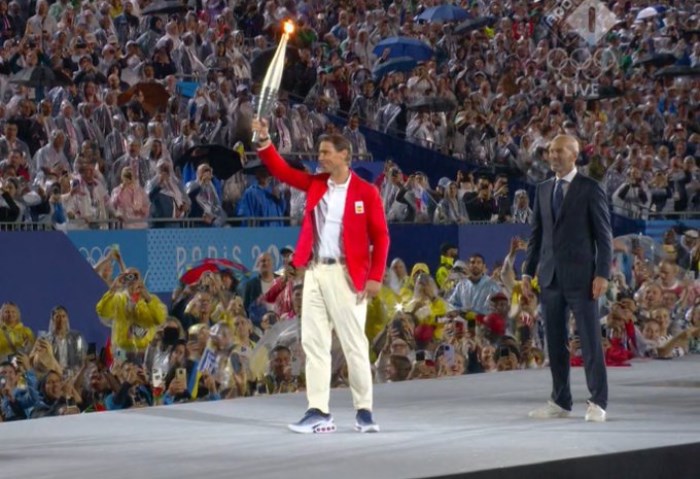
(103, 101)
(222, 338)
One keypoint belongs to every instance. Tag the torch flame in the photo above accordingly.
(288, 27)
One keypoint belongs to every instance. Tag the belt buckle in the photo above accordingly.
(329, 261)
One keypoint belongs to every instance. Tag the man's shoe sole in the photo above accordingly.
(561, 415)
(324, 428)
(370, 428)
(597, 419)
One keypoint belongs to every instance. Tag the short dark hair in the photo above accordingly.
(280, 347)
(478, 255)
(339, 142)
(8, 363)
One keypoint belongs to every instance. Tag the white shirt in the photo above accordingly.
(568, 179)
(329, 220)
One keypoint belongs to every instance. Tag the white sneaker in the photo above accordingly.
(550, 411)
(595, 413)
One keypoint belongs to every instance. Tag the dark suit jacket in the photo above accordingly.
(577, 246)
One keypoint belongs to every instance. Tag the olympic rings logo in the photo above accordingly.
(581, 63)
(95, 254)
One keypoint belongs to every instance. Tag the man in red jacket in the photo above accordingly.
(343, 244)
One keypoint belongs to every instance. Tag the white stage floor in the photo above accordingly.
(429, 428)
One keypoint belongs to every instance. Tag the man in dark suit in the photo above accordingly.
(570, 248)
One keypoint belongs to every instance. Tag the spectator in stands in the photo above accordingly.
(130, 202)
(481, 205)
(50, 159)
(280, 378)
(472, 293)
(449, 253)
(18, 162)
(426, 304)
(68, 345)
(9, 141)
(15, 338)
(356, 138)
(87, 205)
(200, 310)
(230, 375)
(9, 209)
(258, 286)
(57, 397)
(262, 199)
(16, 402)
(140, 166)
(633, 198)
(166, 194)
(204, 198)
(132, 313)
(521, 212)
(165, 341)
(133, 391)
(451, 209)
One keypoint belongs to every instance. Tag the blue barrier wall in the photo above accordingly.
(41, 270)
(491, 241)
(656, 228)
(163, 255)
(45, 269)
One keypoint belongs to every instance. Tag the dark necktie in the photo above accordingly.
(558, 198)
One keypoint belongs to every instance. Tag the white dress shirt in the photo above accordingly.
(567, 180)
(329, 220)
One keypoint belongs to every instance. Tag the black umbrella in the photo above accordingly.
(678, 71)
(40, 76)
(224, 162)
(472, 24)
(165, 7)
(261, 62)
(94, 76)
(254, 165)
(659, 60)
(433, 104)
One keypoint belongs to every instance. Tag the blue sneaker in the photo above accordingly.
(314, 422)
(364, 422)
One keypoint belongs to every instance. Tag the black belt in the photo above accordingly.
(330, 260)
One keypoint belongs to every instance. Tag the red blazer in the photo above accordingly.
(364, 236)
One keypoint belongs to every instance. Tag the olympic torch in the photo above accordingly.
(273, 77)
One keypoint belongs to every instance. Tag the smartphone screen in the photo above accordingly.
(92, 351)
(236, 363)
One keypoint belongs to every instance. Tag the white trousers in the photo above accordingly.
(330, 303)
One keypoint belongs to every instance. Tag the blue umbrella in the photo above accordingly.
(443, 13)
(187, 88)
(398, 64)
(404, 47)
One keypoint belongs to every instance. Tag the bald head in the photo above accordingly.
(563, 151)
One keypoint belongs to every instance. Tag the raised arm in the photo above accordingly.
(277, 165)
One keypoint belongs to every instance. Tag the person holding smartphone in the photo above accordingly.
(69, 346)
(16, 403)
(133, 314)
